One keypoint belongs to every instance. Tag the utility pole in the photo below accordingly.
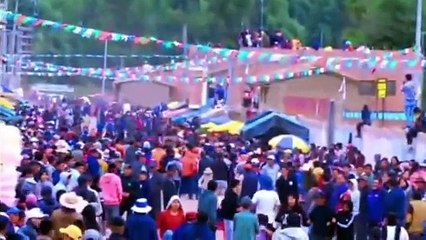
(418, 48)
(4, 7)
(16, 81)
(262, 14)
(185, 55)
(105, 66)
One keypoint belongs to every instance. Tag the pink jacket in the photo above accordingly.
(112, 191)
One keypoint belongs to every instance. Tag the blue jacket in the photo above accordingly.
(191, 231)
(93, 166)
(28, 231)
(395, 202)
(139, 225)
(338, 190)
(207, 204)
(375, 206)
(250, 184)
(47, 206)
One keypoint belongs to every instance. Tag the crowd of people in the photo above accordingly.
(261, 38)
(127, 180)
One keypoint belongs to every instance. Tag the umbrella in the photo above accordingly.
(232, 127)
(6, 103)
(289, 142)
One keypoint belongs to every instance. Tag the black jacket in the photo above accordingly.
(220, 170)
(129, 186)
(229, 205)
(286, 187)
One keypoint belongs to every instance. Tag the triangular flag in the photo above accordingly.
(342, 88)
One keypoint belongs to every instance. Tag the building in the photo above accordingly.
(307, 94)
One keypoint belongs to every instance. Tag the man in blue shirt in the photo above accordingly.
(410, 98)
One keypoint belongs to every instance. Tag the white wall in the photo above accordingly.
(386, 141)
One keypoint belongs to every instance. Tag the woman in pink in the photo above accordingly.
(112, 192)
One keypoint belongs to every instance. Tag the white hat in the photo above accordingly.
(62, 146)
(208, 171)
(72, 201)
(141, 206)
(34, 213)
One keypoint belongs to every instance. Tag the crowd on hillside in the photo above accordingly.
(126, 180)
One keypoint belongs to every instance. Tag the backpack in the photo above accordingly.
(385, 233)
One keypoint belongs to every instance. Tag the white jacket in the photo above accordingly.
(355, 197)
(291, 233)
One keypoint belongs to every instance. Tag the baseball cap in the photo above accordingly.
(72, 231)
(13, 211)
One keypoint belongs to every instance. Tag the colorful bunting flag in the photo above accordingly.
(241, 55)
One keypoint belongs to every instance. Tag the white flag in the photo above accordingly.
(342, 88)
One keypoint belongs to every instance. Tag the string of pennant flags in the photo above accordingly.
(78, 55)
(248, 79)
(84, 32)
(140, 74)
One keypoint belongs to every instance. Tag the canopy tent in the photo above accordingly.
(273, 124)
(190, 115)
(216, 120)
(214, 112)
(176, 105)
(173, 113)
(6, 103)
(232, 127)
(5, 89)
(6, 112)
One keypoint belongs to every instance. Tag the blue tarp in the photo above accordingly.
(274, 124)
(216, 120)
(5, 89)
(6, 112)
(187, 116)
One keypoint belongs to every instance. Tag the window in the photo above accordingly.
(369, 88)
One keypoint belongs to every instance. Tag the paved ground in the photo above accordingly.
(191, 205)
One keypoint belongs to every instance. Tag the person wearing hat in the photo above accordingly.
(139, 165)
(420, 186)
(361, 222)
(14, 217)
(250, 179)
(139, 223)
(186, 230)
(416, 216)
(4, 223)
(205, 178)
(293, 230)
(246, 223)
(129, 188)
(271, 168)
(321, 218)
(117, 227)
(71, 232)
(33, 218)
(68, 213)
